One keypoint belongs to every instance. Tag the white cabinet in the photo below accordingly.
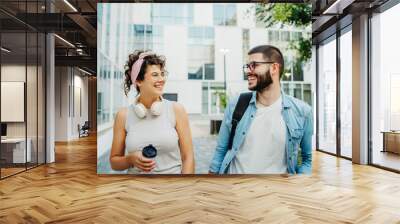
(17, 146)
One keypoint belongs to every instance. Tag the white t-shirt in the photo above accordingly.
(263, 150)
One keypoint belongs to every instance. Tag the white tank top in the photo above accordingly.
(160, 132)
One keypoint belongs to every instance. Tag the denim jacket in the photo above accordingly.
(298, 117)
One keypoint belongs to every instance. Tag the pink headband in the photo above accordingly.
(137, 65)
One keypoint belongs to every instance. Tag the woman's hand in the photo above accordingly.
(118, 159)
(138, 160)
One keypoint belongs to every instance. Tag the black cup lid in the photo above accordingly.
(149, 151)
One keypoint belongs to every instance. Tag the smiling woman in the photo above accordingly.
(151, 122)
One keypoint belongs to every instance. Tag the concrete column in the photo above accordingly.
(360, 90)
(50, 93)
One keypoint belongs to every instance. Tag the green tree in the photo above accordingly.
(223, 99)
(294, 14)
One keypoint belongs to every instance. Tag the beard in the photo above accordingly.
(263, 81)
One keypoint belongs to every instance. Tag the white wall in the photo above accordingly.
(235, 88)
(203, 14)
(61, 103)
(228, 38)
(175, 51)
(13, 73)
(258, 37)
(66, 121)
(140, 12)
(82, 83)
(189, 94)
(245, 18)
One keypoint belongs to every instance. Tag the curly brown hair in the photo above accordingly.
(148, 60)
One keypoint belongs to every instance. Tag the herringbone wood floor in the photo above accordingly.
(70, 191)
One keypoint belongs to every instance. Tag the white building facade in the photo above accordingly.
(195, 38)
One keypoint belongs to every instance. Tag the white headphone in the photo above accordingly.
(141, 110)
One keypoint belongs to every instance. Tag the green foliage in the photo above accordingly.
(292, 14)
(223, 99)
(298, 70)
(303, 47)
(284, 13)
(288, 14)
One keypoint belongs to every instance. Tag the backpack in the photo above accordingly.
(240, 108)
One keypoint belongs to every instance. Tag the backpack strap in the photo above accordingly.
(240, 108)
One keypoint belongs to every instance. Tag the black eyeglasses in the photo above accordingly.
(252, 65)
(163, 75)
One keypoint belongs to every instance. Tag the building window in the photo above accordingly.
(209, 71)
(285, 36)
(273, 35)
(327, 96)
(201, 53)
(147, 37)
(299, 90)
(195, 72)
(225, 14)
(172, 14)
(171, 96)
(296, 35)
(346, 94)
(211, 102)
(385, 89)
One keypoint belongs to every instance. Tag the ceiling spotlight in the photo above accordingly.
(337, 7)
(84, 71)
(5, 50)
(64, 40)
(70, 5)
